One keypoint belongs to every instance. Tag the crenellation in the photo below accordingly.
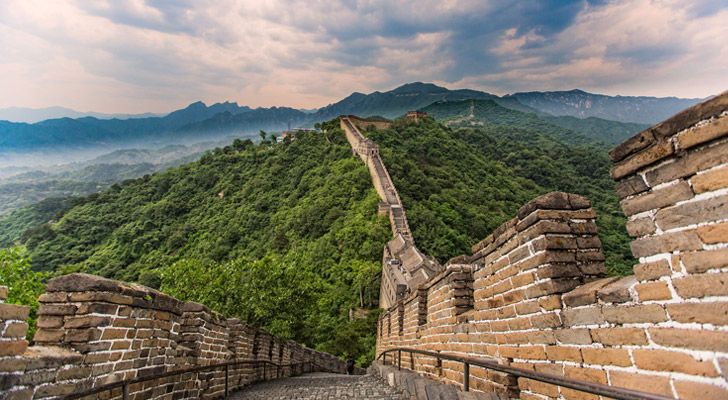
(542, 300)
(93, 331)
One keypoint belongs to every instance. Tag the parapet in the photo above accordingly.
(541, 299)
(94, 331)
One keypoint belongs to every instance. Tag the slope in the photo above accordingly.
(458, 185)
(282, 235)
(572, 130)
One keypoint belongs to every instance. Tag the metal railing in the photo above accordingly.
(571, 383)
(296, 368)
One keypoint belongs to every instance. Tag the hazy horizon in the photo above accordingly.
(154, 56)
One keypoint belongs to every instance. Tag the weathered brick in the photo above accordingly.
(689, 390)
(704, 133)
(657, 198)
(573, 336)
(715, 313)
(587, 293)
(634, 314)
(13, 347)
(583, 316)
(631, 186)
(714, 179)
(666, 243)
(617, 291)
(715, 233)
(693, 212)
(701, 261)
(57, 309)
(13, 311)
(642, 158)
(49, 335)
(652, 270)
(86, 322)
(619, 336)
(689, 164)
(702, 285)
(16, 329)
(606, 356)
(673, 361)
(690, 339)
(45, 321)
(653, 291)
(640, 227)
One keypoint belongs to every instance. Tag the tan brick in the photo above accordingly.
(693, 212)
(587, 293)
(704, 133)
(618, 291)
(3, 293)
(701, 261)
(712, 180)
(86, 322)
(666, 243)
(13, 347)
(50, 321)
(653, 291)
(13, 311)
(715, 233)
(573, 336)
(640, 226)
(703, 313)
(586, 374)
(652, 270)
(583, 316)
(563, 353)
(636, 381)
(673, 361)
(700, 391)
(658, 198)
(689, 164)
(690, 339)
(112, 333)
(606, 356)
(619, 336)
(550, 302)
(48, 335)
(16, 329)
(57, 309)
(702, 285)
(634, 314)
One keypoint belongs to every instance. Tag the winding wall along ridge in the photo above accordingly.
(535, 295)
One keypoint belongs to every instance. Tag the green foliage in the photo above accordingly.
(24, 284)
(285, 236)
(459, 185)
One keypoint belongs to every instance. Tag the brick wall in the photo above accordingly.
(541, 299)
(93, 331)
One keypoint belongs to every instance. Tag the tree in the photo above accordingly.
(24, 284)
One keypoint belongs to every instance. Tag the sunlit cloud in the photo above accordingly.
(156, 55)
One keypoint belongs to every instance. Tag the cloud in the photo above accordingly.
(157, 55)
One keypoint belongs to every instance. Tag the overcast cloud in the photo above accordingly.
(158, 55)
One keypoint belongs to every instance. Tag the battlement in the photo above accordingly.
(535, 295)
(94, 331)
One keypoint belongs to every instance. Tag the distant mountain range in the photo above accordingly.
(198, 121)
(580, 104)
(33, 115)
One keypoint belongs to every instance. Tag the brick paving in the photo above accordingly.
(320, 386)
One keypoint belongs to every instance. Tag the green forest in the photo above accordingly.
(286, 235)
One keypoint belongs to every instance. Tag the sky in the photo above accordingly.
(137, 56)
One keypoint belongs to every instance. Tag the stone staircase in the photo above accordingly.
(320, 386)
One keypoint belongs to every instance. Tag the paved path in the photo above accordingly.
(320, 386)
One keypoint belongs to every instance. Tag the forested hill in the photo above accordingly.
(282, 235)
(590, 130)
(459, 184)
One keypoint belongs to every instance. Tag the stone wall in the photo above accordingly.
(404, 267)
(534, 293)
(93, 331)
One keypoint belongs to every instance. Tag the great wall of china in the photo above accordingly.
(533, 295)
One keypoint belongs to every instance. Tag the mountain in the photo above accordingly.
(468, 113)
(411, 96)
(32, 115)
(68, 133)
(580, 104)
